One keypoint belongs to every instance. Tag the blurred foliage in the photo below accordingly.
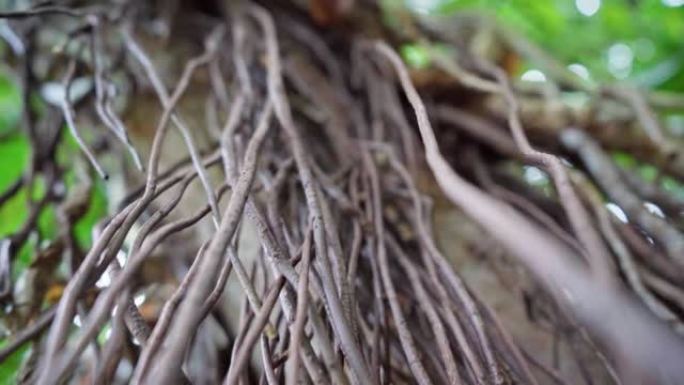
(416, 55)
(97, 207)
(638, 40)
(9, 369)
(96, 210)
(10, 103)
(15, 155)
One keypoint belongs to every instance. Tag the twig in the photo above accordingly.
(297, 327)
(69, 118)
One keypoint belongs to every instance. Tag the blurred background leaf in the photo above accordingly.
(637, 40)
(9, 368)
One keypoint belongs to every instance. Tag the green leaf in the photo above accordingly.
(47, 223)
(24, 258)
(648, 172)
(624, 160)
(14, 154)
(10, 103)
(13, 213)
(104, 333)
(9, 368)
(416, 55)
(673, 187)
(96, 210)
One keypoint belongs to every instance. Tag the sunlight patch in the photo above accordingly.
(617, 211)
(620, 59)
(423, 6)
(579, 70)
(673, 3)
(535, 176)
(654, 209)
(533, 76)
(588, 7)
